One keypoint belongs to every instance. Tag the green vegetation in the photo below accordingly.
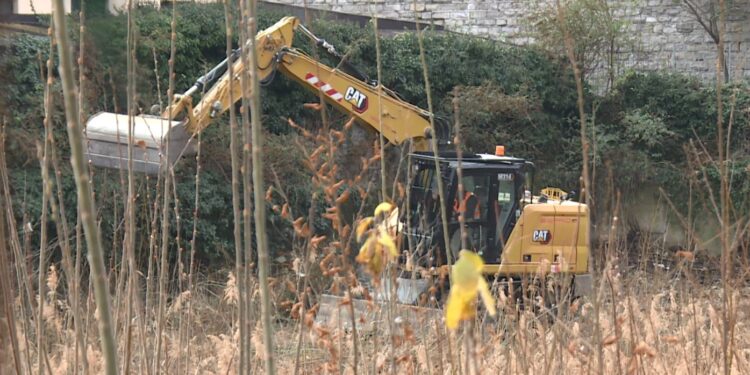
(664, 195)
(523, 98)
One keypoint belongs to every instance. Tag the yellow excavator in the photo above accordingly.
(516, 233)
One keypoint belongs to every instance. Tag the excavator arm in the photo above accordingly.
(363, 100)
(400, 121)
(217, 99)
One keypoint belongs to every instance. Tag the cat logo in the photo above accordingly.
(542, 236)
(357, 99)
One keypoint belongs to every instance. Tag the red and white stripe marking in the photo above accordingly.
(330, 91)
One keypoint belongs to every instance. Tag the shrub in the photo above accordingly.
(520, 97)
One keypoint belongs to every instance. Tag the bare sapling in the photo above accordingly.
(87, 205)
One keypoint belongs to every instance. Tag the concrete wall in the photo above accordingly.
(116, 6)
(666, 35)
(37, 6)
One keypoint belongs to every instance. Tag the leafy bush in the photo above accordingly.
(22, 97)
(520, 97)
(650, 117)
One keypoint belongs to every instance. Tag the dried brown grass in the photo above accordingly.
(665, 328)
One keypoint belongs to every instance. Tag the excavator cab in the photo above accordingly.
(516, 233)
(493, 188)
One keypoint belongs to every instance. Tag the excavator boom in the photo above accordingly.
(400, 121)
(168, 137)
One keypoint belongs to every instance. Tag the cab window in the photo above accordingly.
(506, 196)
(424, 195)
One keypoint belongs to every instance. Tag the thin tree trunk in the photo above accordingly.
(129, 240)
(434, 145)
(586, 188)
(260, 207)
(6, 293)
(244, 275)
(726, 256)
(43, 155)
(84, 190)
(166, 175)
(75, 275)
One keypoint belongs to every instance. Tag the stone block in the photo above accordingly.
(685, 27)
(633, 11)
(417, 7)
(454, 7)
(478, 14)
(443, 14)
(673, 10)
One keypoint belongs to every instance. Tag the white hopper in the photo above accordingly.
(107, 136)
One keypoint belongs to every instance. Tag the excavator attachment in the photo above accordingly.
(153, 139)
(407, 295)
(369, 314)
(409, 291)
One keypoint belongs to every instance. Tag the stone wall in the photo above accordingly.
(665, 34)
